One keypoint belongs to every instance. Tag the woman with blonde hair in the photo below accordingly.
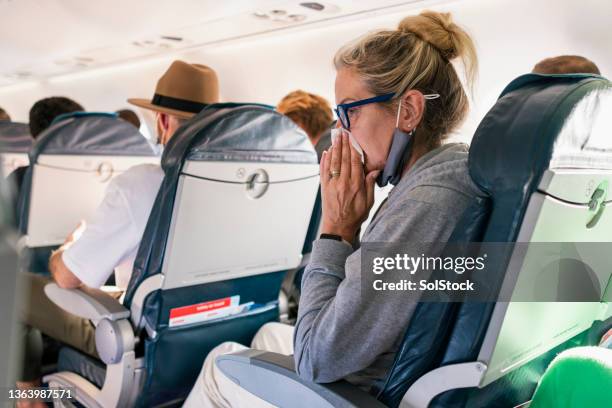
(398, 97)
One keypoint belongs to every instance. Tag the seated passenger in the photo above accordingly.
(4, 115)
(110, 239)
(566, 64)
(392, 87)
(313, 114)
(129, 116)
(42, 114)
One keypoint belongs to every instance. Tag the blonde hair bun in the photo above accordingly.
(416, 56)
(439, 30)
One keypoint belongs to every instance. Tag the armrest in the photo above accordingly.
(272, 377)
(88, 303)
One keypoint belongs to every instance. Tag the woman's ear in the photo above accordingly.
(412, 110)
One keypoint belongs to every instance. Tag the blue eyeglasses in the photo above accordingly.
(343, 110)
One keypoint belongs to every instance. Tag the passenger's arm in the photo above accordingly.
(342, 328)
(109, 238)
(62, 275)
(60, 272)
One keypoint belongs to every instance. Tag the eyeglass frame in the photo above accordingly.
(344, 107)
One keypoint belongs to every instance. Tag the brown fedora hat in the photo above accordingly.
(184, 90)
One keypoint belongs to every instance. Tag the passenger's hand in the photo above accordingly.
(347, 193)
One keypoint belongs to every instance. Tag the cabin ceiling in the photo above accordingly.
(43, 39)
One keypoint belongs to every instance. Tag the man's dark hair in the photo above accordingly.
(129, 116)
(4, 115)
(46, 110)
(566, 64)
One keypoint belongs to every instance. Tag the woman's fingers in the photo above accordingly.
(324, 168)
(369, 184)
(335, 161)
(345, 175)
(356, 168)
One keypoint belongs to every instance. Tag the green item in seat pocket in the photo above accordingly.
(578, 377)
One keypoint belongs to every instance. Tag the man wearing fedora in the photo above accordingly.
(110, 239)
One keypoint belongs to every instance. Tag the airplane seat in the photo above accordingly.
(230, 219)
(563, 174)
(543, 155)
(427, 336)
(72, 163)
(15, 143)
(10, 299)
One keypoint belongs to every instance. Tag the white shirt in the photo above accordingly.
(112, 235)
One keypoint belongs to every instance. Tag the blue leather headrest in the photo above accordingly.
(91, 133)
(82, 114)
(514, 143)
(15, 137)
(239, 132)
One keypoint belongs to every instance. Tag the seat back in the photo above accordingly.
(72, 163)
(223, 198)
(567, 225)
(15, 143)
(10, 293)
(230, 219)
(535, 153)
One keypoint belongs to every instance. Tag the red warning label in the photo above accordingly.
(200, 312)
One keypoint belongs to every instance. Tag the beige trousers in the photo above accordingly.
(40, 313)
(213, 389)
(43, 314)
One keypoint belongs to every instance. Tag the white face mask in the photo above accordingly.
(158, 149)
(336, 132)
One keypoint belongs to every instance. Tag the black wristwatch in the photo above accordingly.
(331, 236)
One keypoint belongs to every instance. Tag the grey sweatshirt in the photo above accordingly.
(340, 332)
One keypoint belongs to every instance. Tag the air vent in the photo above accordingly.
(282, 16)
(313, 6)
(300, 12)
(17, 75)
(76, 62)
(171, 38)
(164, 42)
